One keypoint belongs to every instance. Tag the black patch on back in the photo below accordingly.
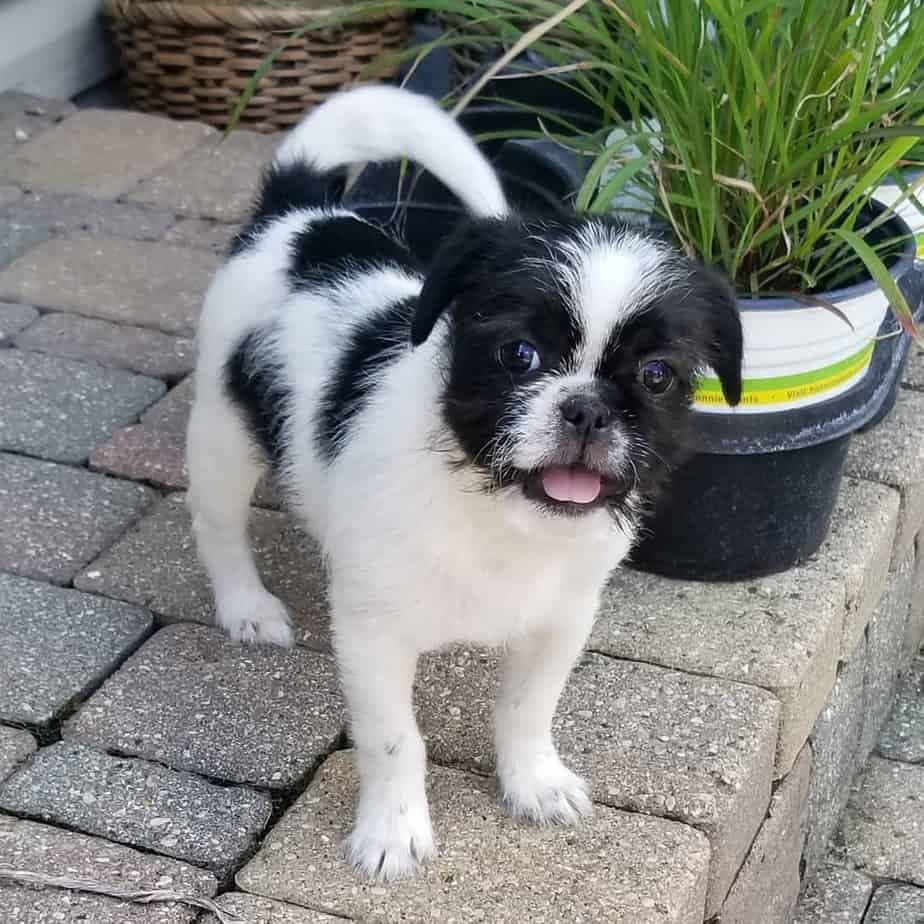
(255, 384)
(285, 188)
(373, 345)
(343, 245)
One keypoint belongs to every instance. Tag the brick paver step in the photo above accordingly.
(193, 700)
(122, 346)
(155, 565)
(836, 896)
(617, 867)
(903, 735)
(54, 518)
(38, 848)
(60, 409)
(58, 644)
(648, 739)
(129, 282)
(138, 803)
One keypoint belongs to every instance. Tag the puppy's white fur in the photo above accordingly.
(418, 557)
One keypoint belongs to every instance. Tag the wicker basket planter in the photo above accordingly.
(193, 60)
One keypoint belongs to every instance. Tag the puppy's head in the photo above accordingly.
(573, 348)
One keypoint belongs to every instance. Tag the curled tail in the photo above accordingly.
(380, 123)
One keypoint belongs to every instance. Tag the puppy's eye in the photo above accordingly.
(519, 357)
(656, 375)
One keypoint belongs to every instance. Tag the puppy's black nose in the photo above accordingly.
(587, 414)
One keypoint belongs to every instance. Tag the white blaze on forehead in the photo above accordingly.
(610, 276)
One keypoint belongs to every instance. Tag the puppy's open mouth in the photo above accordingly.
(572, 488)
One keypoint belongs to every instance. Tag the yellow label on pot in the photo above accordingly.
(786, 388)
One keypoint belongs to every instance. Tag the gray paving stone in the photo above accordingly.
(155, 565)
(54, 519)
(205, 234)
(37, 217)
(193, 700)
(13, 318)
(138, 803)
(770, 878)
(30, 114)
(914, 370)
(101, 153)
(143, 454)
(56, 645)
(893, 454)
(896, 905)
(15, 746)
(617, 867)
(903, 735)
(27, 845)
(882, 831)
(122, 346)
(171, 413)
(836, 746)
(9, 193)
(217, 180)
(129, 282)
(885, 641)
(783, 632)
(835, 896)
(914, 634)
(257, 910)
(60, 409)
(650, 740)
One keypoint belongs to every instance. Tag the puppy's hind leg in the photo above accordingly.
(223, 470)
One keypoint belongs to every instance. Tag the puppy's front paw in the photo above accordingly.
(543, 790)
(256, 616)
(390, 842)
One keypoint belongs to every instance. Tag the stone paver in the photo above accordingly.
(13, 319)
(57, 644)
(650, 740)
(26, 845)
(257, 910)
(122, 346)
(217, 180)
(101, 153)
(15, 746)
(171, 413)
(22, 112)
(914, 634)
(835, 896)
(155, 565)
(130, 282)
(9, 193)
(617, 867)
(60, 409)
(782, 632)
(893, 454)
(193, 700)
(886, 638)
(143, 454)
(54, 519)
(914, 370)
(883, 827)
(769, 879)
(896, 905)
(138, 803)
(903, 736)
(32, 219)
(836, 742)
(203, 233)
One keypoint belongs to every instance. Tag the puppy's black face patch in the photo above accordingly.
(576, 392)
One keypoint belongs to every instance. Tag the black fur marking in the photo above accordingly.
(256, 386)
(343, 245)
(374, 344)
(284, 189)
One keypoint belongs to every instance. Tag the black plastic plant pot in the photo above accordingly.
(758, 496)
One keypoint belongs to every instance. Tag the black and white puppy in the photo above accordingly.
(472, 444)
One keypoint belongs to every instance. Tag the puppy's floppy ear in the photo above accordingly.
(724, 345)
(450, 273)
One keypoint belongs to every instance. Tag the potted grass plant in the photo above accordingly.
(763, 137)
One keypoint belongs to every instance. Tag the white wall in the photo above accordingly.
(53, 47)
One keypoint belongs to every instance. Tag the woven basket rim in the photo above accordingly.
(238, 16)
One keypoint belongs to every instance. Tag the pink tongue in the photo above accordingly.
(576, 485)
